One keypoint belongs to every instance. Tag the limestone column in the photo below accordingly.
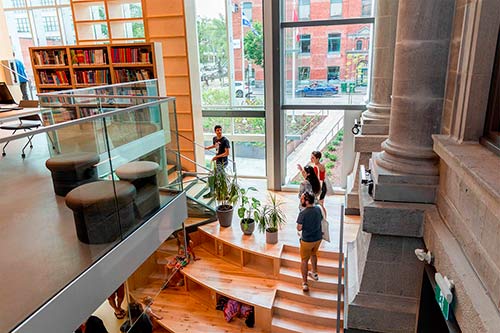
(375, 119)
(407, 168)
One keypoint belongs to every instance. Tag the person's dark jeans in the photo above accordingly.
(24, 90)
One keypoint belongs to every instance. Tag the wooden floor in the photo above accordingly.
(193, 311)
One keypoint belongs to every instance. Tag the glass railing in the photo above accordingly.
(95, 174)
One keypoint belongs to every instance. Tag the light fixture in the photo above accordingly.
(423, 255)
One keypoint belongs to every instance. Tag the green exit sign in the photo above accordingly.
(442, 302)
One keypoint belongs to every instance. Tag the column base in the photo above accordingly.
(393, 186)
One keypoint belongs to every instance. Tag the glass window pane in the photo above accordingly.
(310, 130)
(295, 10)
(68, 31)
(247, 137)
(46, 25)
(89, 11)
(129, 29)
(337, 71)
(14, 4)
(118, 9)
(231, 75)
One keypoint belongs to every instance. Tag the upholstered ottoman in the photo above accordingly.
(142, 174)
(99, 216)
(72, 170)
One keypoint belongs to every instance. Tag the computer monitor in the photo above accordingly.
(5, 95)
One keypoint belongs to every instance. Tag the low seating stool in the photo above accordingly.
(95, 212)
(72, 170)
(142, 174)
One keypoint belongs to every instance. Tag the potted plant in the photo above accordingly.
(248, 211)
(226, 193)
(270, 219)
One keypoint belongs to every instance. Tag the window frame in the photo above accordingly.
(248, 10)
(332, 38)
(304, 70)
(25, 24)
(302, 40)
(328, 72)
(335, 4)
(359, 45)
(304, 9)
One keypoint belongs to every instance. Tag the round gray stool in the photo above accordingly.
(142, 174)
(72, 170)
(95, 212)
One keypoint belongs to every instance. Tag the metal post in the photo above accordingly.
(341, 258)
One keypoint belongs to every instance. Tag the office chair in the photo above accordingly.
(26, 123)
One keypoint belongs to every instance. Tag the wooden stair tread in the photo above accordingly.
(243, 284)
(326, 262)
(321, 253)
(303, 308)
(184, 313)
(292, 325)
(314, 295)
(324, 278)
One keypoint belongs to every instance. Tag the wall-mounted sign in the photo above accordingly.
(444, 294)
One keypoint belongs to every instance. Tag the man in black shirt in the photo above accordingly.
(309, 224)
(221, 143)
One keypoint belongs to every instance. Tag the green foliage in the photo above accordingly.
(331, 156)
(336, 142)
(212, 40)
(215, 96)
(248, 206)
(330, 165)
(225, 190)
(254, 45)
(331, 148)
(270, 217)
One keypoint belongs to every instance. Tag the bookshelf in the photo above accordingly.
(79, 66)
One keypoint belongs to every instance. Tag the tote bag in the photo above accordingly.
(325, 227)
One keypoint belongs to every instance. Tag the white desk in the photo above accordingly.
(15, 114)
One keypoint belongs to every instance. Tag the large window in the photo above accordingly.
(304, 73)
(50, 24)
(246, 7)
(333, 73)
(366, 7)
(335, 8)
(305, 43)
(333, 43)
(23, 25)
(304, 9)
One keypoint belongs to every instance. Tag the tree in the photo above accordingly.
(212, 40)
(254, 45)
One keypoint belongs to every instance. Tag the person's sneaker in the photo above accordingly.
(313, 276)
(305, 287)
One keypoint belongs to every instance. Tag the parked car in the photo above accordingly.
(241, 89)
(317, 90)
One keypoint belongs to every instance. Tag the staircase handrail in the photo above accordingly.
(331, 133)
(340, 287)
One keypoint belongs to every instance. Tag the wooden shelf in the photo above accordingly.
(77, 66)
(133, 64)
(50, 66)
(55, 86)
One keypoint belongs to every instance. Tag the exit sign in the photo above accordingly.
(442, 302)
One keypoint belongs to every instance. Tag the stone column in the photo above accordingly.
(375, 119)
(384, 275)
(406, 170)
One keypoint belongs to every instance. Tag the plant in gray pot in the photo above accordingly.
(226, 193)
(271, 219)
(248, 211)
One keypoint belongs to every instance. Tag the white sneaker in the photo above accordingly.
(305, 287)
(313, 276)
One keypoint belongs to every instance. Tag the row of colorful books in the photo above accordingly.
(50, 57)
(92, 76)
(57, 77)
(131, 55)
(126, 75)
(89, 57)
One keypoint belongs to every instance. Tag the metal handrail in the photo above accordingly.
(341, 258)
(325, 139)
(85, 119)
(115, 85)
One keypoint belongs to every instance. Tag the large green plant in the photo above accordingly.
(270, 216)
(225, 188)
(249, 208)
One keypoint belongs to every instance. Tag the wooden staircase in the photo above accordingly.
(313, 311)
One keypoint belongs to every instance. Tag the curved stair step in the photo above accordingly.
(326, 281)
(313, 296)
(327, 265)
(312, 313)
(287, 325)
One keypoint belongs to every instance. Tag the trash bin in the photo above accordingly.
(343, 87)
(352, 87)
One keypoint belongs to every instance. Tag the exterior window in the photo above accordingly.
(22, 24)
(18, 3)
(304, 9)
(50, 24)
(47, 2)
(305, 43)
(333, 43)
(366, 7)
(246, 9)
(491, 136)
(304, 73)
(335, 8)
(359, 44)
(333, 72)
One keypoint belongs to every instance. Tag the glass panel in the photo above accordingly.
(92, 31)
(67, 25)
(298, 10)
(89, 11)
(118, 9)
(129, 29)
(230, 74)
(46, 25)
(14, 4)
(333, 72)
(310, 130)
(247, 137)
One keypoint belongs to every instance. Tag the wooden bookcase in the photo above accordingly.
(79, 66)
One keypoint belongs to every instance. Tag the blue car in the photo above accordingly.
(317, 91)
